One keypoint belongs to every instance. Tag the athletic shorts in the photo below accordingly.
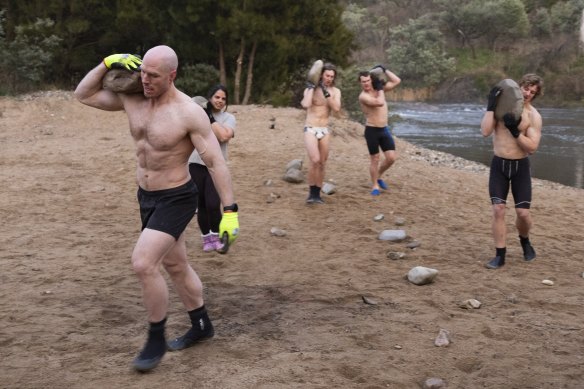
(168, 210)
(378, 137)
(513, 172)
(319, 132)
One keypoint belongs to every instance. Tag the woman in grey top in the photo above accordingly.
(209, 203)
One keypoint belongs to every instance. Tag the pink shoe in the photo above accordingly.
(216, 242)
(208, 244)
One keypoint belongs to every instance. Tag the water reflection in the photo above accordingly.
(455, 129)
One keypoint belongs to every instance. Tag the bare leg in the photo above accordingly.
(148, 253)
(498, 227)
(374, 170)
(186, 281)
(390, 157)
(314, 158)
(523, 221)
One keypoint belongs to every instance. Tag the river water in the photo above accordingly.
(455, 129)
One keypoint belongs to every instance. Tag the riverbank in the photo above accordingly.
(288, 311)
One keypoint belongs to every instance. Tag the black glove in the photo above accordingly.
(493, 94)
(377, 83)
(324, 91)
(512, 124)
(209, 111)
(310, 85)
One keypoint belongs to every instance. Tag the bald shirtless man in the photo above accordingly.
(513, 142)
(377, 134)
(166, 126)
(319, 101)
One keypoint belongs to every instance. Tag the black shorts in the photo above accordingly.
(168, 210)
(516, 172)
(377, 137)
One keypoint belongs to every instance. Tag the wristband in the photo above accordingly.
(231, 208)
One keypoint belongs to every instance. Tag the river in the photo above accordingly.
(455, 129)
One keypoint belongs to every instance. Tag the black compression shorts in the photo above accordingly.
(377, 137)
(517, 173)
(168, 210)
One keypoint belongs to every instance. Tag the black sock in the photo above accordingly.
(156, 343)
(314, 191)
(202, 326)
(524, 241)
(501, 252)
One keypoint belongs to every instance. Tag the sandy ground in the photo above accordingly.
(288, 311)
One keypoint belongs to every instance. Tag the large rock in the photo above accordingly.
(122, 81)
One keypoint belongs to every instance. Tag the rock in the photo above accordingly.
(470, 304)
(397, 347)
(548, 282)
(368, 301)
(122, 81)
(277, 232)
(272, 197)
(413, 244)
(293, 176)
(443, 338)
(328, 188)
(392, 235)
(420, 275)
(395, 255)
(434, 383)
(268, 182)
(399, 221)
(380, 217)
(294, 164)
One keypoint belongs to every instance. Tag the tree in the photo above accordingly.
(417, 53)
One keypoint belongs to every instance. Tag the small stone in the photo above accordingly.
(47, 292)
(268, 182)
(434, 383)
(399, 221)
(277, 232)
(380, 217)
(420, 275)
(294, 164)
(413, 244)
(397, 347)
(470, 304)
(293, 176)
(328, 188)
(443, 338)
(392, 235)
(368, 300)
(395, 255)
(548, 282)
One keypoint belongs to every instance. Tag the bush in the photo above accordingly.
(196, 80)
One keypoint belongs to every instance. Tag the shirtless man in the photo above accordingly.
(319, 101)
(513, 142)
(166, 126)
(377, 134)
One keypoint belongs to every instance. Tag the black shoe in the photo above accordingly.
(143, 364)
(188, 340)
(495, 263)
(528, 252)
(318, 200)
(310, 200)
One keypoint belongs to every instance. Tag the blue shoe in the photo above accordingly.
(375, 192)
(382, 184)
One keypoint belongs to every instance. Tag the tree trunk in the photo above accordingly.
(222, 75)
(249, 80)
(238, 71)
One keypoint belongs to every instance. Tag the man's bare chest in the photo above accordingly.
(161, 130)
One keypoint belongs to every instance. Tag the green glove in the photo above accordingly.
(123, 61)
(229, 226)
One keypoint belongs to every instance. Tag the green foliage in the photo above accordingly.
(417, 54)
(23, 61)
(566, 15)
(541, 25)
(196, 80)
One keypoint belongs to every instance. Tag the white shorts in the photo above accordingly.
(319, 132)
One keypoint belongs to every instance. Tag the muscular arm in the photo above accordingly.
(529, 139)
(392, 81)
(373, 101)
(334, 102)
(90, 91)
(207, 145)
(307, 99)
(488, 123)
